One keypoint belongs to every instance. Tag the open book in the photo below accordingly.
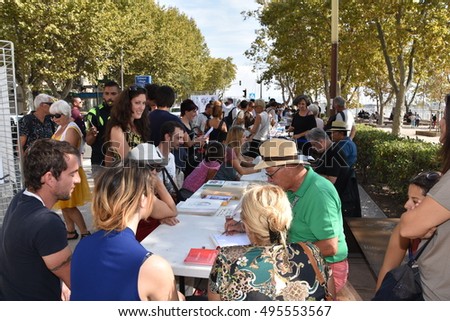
(230, 240)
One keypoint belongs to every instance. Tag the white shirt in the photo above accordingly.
(171, 169)
(349, 119)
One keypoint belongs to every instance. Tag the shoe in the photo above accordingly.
(85, 234)
(74, 233)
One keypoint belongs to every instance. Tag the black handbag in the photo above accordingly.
(402, 283)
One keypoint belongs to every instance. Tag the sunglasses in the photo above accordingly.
(273, 174)
(155, 168)
(430, 176)
(135, 88)
(49, 103)
(56, 115)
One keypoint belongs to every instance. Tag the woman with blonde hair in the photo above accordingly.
(270, 268)
(235, 164)
(68, 130)
(111, 265)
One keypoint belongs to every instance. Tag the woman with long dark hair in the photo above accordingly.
(434, 213)
(128, 124)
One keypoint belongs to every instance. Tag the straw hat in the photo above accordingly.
(338, 125)
(278, 152)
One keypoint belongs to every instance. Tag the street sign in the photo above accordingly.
(142, 80)
(252, 95)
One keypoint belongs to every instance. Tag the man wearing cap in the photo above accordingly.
(97, 118)
(164, 208)
(338, 134)
(38, 123)
(315, 204)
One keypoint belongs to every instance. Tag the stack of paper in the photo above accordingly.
(199, 206)
(235, 189)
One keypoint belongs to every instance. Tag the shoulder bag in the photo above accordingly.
(402, 283)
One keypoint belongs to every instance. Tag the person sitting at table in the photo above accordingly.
(206, 170)
(398, 245)
(235, 164)
(111, 265)
(164, 208)
(270, 268)
(315, 204)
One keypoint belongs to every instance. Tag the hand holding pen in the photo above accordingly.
(233, 227)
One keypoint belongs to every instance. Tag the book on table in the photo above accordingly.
(222, 240)
(199, 206)
(201, 256)
(235, 189)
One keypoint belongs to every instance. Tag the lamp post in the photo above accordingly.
(334, 47)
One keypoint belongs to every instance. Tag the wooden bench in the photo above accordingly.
(372, 235)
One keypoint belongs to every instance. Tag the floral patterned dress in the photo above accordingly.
(268, 273)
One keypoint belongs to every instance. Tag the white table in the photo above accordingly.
(194, 231)
(174, 242)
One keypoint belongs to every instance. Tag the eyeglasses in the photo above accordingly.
(49, 103)
(273, 174)
(56, 115)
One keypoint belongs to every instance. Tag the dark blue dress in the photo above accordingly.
(105, 267)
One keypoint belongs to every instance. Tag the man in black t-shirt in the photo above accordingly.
(34, 252)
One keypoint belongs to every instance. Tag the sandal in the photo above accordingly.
(74, 233)
(85, 234)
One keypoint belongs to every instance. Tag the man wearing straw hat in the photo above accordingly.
(315, 204)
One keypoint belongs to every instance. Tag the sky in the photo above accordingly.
(228, 35)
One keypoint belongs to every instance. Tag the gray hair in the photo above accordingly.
(42, 98)
(314, 109)
(339, 101)
(317, 135)
(61, 107)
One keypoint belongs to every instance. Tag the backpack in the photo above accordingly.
(81, 124)
(332, 119)
(229, 119)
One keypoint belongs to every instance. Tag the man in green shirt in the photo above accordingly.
(316, 206)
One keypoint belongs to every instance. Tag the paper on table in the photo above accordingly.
(230, 240)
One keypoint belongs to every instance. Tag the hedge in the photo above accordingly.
(391, 161)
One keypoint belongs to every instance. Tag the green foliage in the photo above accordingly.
(57, 42)
(384, 158)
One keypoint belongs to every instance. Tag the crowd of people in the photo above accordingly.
(145, 160)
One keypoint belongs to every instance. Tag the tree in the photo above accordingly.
(54, 44)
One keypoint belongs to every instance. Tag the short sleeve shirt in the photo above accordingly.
(31, 127)
(316, 208)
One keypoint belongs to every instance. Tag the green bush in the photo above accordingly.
(392, 161)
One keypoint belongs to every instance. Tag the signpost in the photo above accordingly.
(252, 95)
(142, 80)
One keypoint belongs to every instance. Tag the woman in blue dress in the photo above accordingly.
(111, 265)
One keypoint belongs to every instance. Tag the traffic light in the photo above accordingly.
(245, 93)
(240, 82)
